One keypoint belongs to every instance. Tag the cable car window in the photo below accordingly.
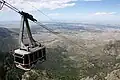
(26, 61)
(18, 55)
(35, 55)
(19, 60)
(40, 53)
(31, 57)
(44, 53)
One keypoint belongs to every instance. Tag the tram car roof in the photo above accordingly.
(32, 50)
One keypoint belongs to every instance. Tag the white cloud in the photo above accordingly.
(105, 13)
(54, 14)
(92, 0)
(49, 4)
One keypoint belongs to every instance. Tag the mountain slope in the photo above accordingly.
(7, 41)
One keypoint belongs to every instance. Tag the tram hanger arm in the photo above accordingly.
(28, 16)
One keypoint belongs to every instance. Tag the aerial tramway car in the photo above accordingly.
(27, 59)
(28, 54)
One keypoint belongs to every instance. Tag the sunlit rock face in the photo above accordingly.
(37, 75)
(114, 75)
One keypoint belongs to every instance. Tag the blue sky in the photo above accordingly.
(91, 11)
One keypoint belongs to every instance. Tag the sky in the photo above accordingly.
(91, 11)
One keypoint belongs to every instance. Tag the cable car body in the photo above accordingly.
(27, 55)
(26, 60)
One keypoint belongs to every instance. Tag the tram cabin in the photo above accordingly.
(26, 59)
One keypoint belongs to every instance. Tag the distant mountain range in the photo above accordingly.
(83, 27)
(57, 27)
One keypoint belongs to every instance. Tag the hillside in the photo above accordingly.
(7, 40)
(84, 55)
